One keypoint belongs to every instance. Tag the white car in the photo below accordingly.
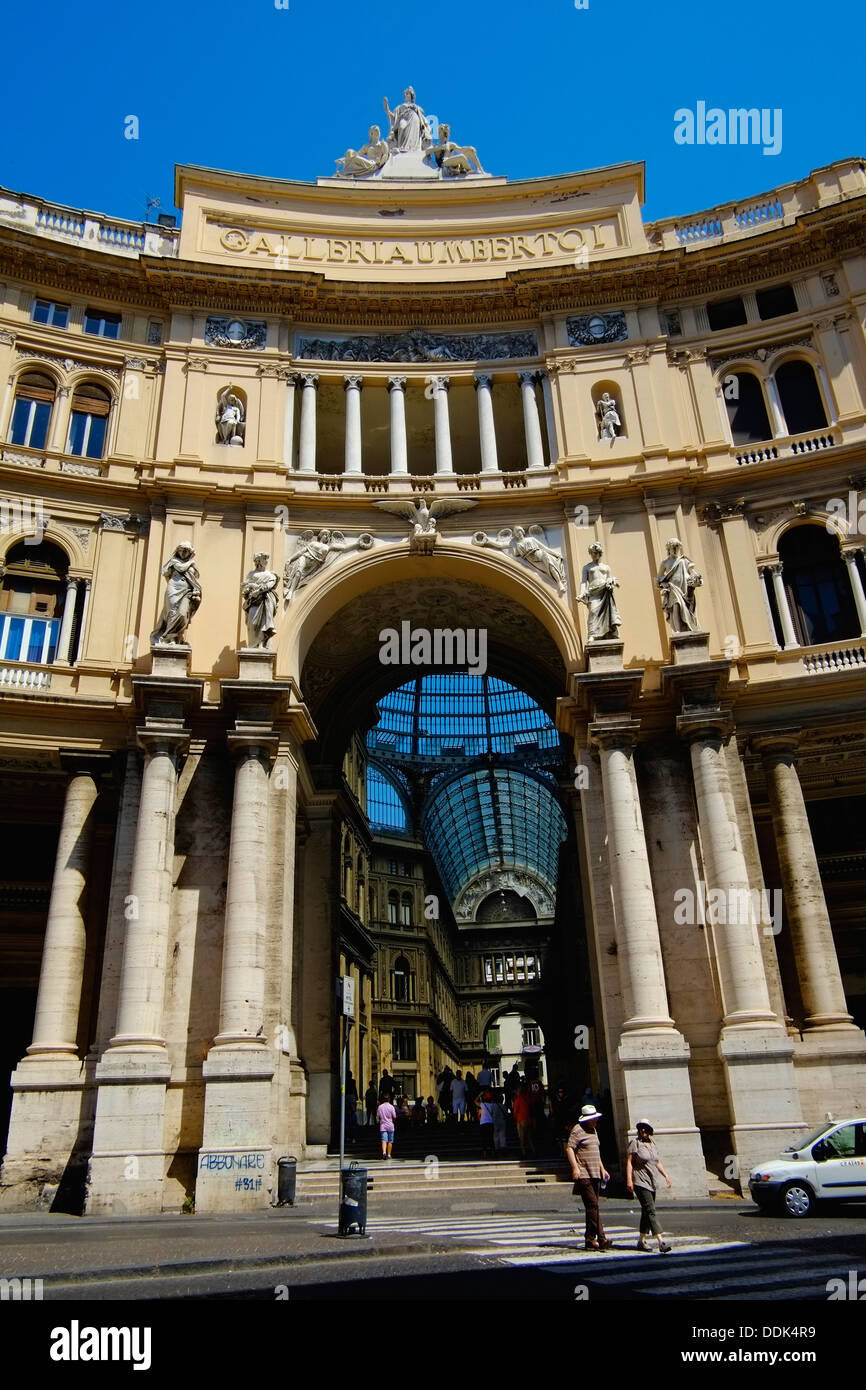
(829, 1162)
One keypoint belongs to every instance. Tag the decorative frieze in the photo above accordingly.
(70, 364)
(419, 346)
(246, 334)
(589, 329)
(762, 353)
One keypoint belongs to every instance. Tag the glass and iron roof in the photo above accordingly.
(484, 748)
(459, 714)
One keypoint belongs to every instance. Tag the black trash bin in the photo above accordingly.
(287, 1181)
(353, 1200)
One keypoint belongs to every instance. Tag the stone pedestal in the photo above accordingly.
(128, 1164)
(236, 1165)
(655, 1072)
(689, 648)
(604, 656)
(256, 664)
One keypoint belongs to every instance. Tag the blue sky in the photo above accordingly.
(538, 88)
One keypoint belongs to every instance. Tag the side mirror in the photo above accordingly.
(819, 1152)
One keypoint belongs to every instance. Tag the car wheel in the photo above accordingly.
(796, 1199)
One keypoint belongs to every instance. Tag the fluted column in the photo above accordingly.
(803, 894)
(399, 447)
(352, 387)
(638, 943)
(850, 558)
(777, 416)
(789, 636)
(145, 950)
(442, 424)
(309, 384)
(242, 993)
(85, 606)
(531, 424)
(486, 424)
(762, 573)
(738, 950)
(67, 619)
(55, 1029)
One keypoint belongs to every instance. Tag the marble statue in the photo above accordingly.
(422, 518)
(596, 591)
(409, 130)
(370, 157)
(314, 550)
(609, 423)
(677, 581)
(230, 418)
(259, 595)
(182, 596)
(455, 159)
(530, 545)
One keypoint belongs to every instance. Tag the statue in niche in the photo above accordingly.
(677, 581)
(609, 423)
(182, 596)
(596, 591)
(259, 596)
(370, 157)
(530, 545)
(409, 130)
(422, 518)
(455, 159)
(315, 549)
(230, 417)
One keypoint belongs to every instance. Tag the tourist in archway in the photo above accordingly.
(641, 1165)
(588, 1170)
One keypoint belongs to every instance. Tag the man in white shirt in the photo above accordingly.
(458, 1097)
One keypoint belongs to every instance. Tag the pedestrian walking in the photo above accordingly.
(499, 1136)
(387, 1086)
(386, 1117)
(371, 1101)
(588, 1170)
(418, 1116)
(485, 1123)
(432, 1112)
(523, 1119)
(458, 1097)
(641, 1165)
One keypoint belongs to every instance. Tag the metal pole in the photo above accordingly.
(346, 1024)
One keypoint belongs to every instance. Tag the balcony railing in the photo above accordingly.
(27, 639)
(92, 229)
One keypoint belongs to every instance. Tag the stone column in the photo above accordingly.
(442, 424)
(352, 387)
(289, 423)
(145, 950)
(243, 966)
(531, 425)
(82, 631)
(745, 995)
(60, 423)
(803, 894)
(55, 1029)
(639, 947)
(850, 558)
(486, 425)
(777, 416)
(789, 636)
(399, 448)
(762, 577)
(309, 384)
(66, 621)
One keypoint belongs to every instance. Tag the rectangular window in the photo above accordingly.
(403, 1045)
(47, 311)
(86, 435)
(101, 324)
(775, 302)
(30, 423)
(406, 913)
(488, 970)
(726, 313)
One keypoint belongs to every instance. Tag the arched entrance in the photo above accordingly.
(438, 865)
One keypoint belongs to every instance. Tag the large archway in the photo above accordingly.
(437, 941)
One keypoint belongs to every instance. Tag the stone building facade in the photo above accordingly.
(188, 862)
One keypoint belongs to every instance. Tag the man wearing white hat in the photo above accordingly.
(584, 1157)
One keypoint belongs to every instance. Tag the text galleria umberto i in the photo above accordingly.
(450, 582)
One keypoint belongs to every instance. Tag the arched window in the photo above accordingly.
(818, 588)
(402, 982)
(800, 397)
(31, 414)
(88, 421)
(393, 909)
(747, 410)
(406, 909)
(31, 602)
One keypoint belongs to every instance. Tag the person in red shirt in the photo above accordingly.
(522, 1112)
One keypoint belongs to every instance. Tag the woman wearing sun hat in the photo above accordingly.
(641, 1166)
(584, 1158)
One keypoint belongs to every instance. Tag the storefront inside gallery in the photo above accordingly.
(453, 583)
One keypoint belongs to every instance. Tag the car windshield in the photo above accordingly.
(808, 1138)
